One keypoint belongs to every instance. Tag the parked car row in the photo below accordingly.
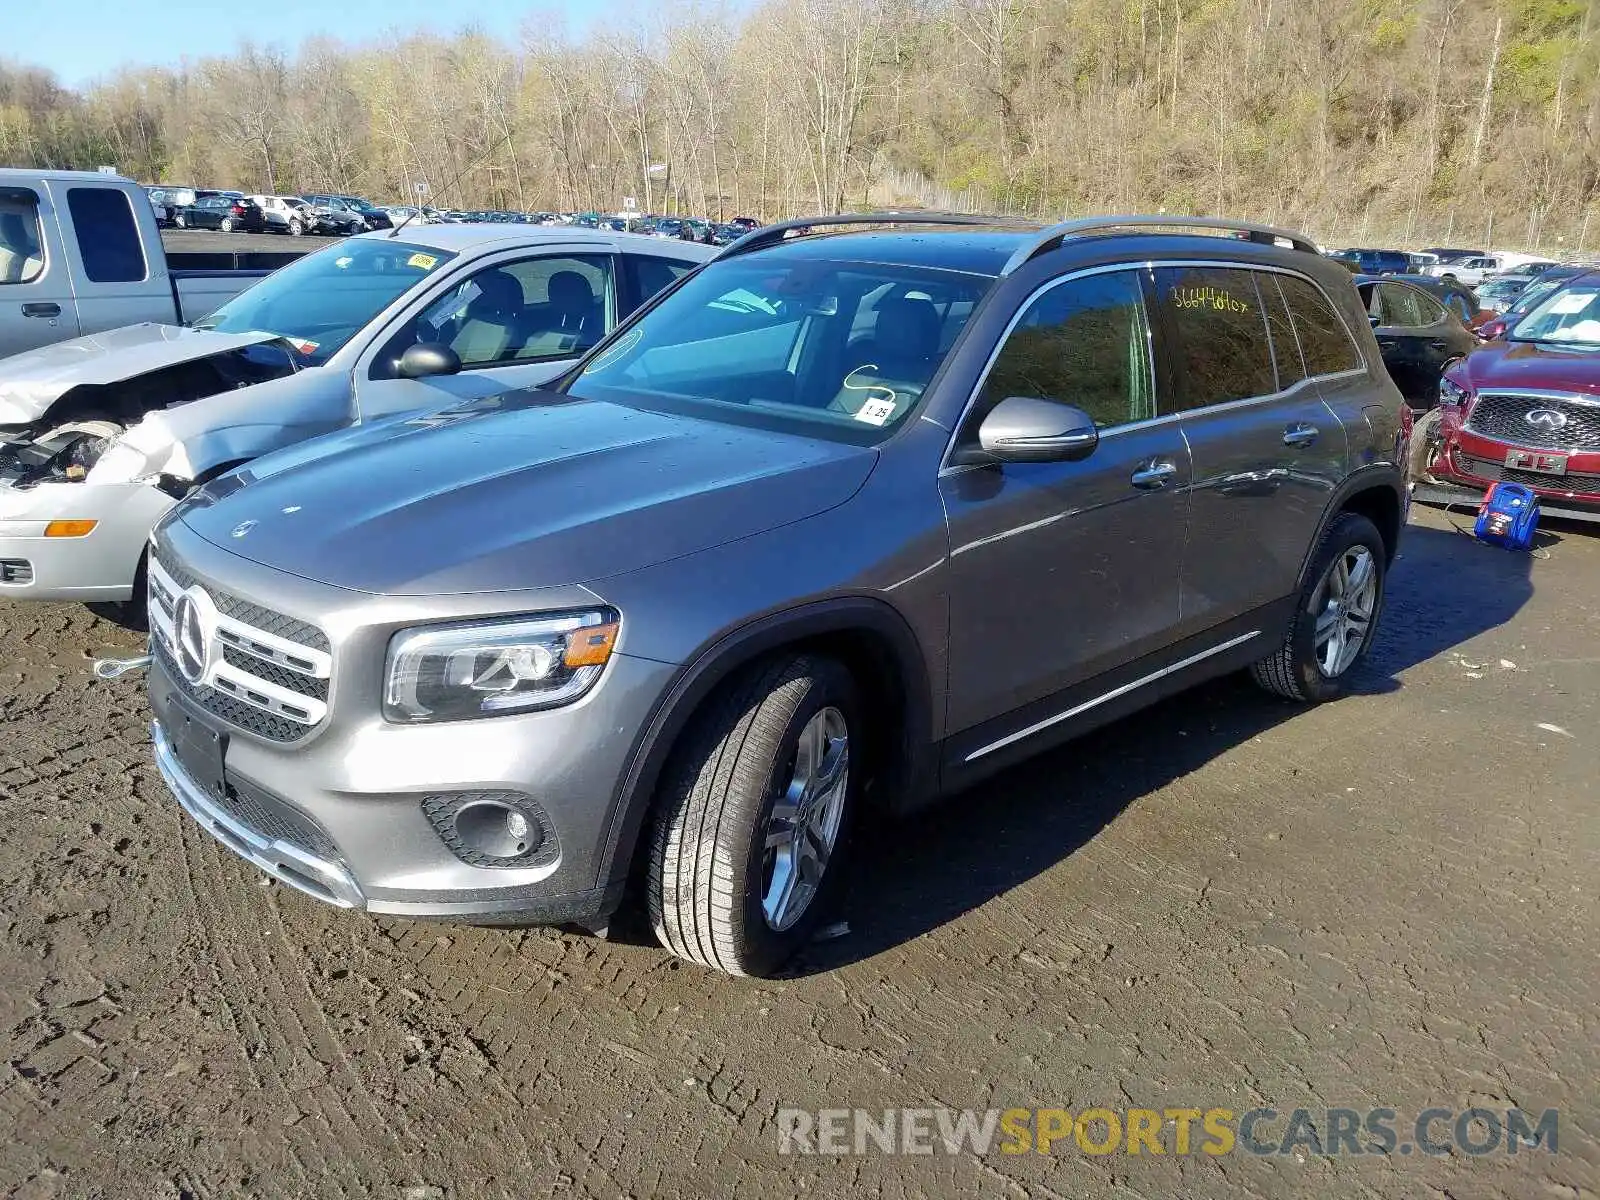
(230, 211)
(659, 629)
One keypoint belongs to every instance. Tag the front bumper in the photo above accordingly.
(1468, 464)
(342, 815)
(98, 567)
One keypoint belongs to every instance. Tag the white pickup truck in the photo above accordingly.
(80, 252)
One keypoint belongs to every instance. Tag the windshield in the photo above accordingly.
(1571, 317)
(321, 301)
(1533, 293)
(838, 349)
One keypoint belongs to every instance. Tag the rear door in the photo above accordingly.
(117, 280)
(1267, 450)
(1416, 336)
(36, 303)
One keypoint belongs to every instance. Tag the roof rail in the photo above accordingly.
(768, 234)
(1052, 237)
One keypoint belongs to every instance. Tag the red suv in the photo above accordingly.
(1526, 408)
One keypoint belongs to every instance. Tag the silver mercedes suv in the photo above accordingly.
(844, 520)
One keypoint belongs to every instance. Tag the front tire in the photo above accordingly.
(752, 820)
(1423, 447)
(1336, 617)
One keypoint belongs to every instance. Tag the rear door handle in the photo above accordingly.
(1153, 475)
(1439, 344)
(1300, 435)
(41, 309)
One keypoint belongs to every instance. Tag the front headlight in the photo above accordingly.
(488, 668)
(1452, 393)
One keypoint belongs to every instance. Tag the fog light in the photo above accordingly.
(70, 529)
(493, 828)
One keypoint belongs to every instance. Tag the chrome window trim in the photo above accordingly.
(946, 467)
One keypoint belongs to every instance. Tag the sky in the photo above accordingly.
(81, 42)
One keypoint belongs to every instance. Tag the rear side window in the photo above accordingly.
(21, 246)
(1397, 306)
(1285, 348)
(650, 275)
(1086, 343)
(1324, 341)
(1219, 334)
(108, 237)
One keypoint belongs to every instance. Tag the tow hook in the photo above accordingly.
(116, 668)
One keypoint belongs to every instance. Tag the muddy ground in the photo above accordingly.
(1223, 902)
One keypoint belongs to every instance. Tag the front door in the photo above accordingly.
(36, 304)
(1060, 571)
(514, 323)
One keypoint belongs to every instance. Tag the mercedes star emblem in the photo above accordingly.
(190, 636)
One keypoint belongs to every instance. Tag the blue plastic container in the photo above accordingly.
(1508, 516)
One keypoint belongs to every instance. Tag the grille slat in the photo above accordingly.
(229, 696)
(1504, 416)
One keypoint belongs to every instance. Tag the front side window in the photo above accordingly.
(534, 310)
(1324, 340)
(1214, 317)
(21, 244)
(834, 348)
(319, 302)
(1085, 342)
(108, 236)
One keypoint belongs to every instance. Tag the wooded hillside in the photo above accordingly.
(1365, 121)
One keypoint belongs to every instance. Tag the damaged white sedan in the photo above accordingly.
(99, 436)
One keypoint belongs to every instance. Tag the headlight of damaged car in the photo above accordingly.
(489, 668)
(1452, 394)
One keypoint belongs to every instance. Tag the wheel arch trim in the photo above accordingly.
(734, 649)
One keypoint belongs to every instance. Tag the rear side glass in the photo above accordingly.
(651, 274)
(1324, 341)
(1398, 307)
(108, 237)
(1219, 334)
(1285, 348)
(21, 247)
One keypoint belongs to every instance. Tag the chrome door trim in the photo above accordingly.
(1114, 693)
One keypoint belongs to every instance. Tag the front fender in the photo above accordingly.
(718, 660)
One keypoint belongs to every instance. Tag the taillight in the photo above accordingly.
(238, 210)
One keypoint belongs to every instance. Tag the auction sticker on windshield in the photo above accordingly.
(425, 262)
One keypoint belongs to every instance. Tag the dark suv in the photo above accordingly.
(839, 522)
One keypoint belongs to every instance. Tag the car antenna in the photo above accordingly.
(460, 175)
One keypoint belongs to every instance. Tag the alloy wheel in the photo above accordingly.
(1345, 602)
(806, 818)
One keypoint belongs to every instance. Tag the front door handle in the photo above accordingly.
(1153, 475)
(1439, 344)
(41, 309)
(1300, 435)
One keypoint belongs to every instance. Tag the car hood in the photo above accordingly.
(526, 490)
(32, 381)
(1509, 364)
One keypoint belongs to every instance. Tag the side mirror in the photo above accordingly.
(1374, 321)
(1028, 429)
(426, 359)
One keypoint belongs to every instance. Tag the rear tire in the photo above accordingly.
(226, 225)
(751, 826)
(1336, 617)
